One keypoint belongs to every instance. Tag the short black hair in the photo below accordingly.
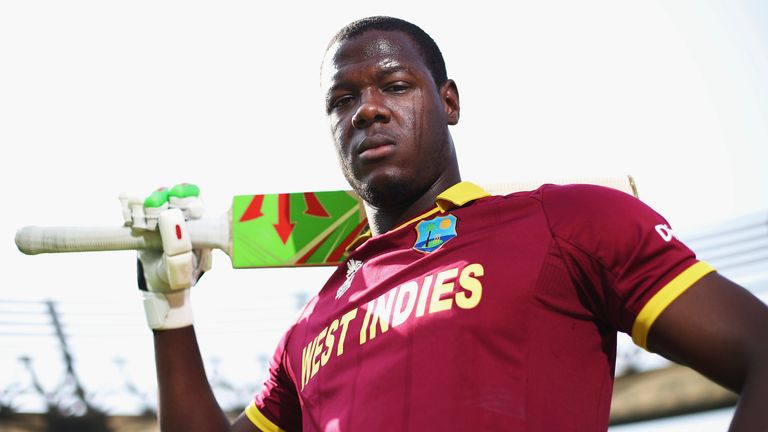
(427, 47)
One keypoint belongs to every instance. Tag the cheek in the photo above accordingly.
(410, 118)
(340, 143)
(433, 119)
(337, 132)
(420, 122)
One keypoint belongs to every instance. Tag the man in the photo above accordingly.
(464, 311)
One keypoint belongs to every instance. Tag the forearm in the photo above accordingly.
(186, 400)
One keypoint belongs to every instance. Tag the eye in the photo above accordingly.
(397, 88)
(340, 102)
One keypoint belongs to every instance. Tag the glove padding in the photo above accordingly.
(165, 276)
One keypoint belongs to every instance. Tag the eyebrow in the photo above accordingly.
(388, 68)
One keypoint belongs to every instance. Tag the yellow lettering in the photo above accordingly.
(306, 362)
(382, 313)
(349, 316)
(471, 285)
(322, 346)
(329, 339)
(366, 319)
(423, 295)
(442, 286)
(407, 290)
(316, 351)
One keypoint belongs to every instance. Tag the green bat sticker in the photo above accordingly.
(294, 229)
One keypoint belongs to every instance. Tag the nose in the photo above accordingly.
(371, 110)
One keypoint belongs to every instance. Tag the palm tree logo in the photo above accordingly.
(432, 234)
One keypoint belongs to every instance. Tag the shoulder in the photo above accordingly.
(592, 217)
(577, 197)
(571, 204)
(584, 202)
(576, 204)
(570, 196)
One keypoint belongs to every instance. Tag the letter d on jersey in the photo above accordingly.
(665, 232)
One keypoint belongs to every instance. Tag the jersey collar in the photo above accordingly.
(455, 196)
(459, 195)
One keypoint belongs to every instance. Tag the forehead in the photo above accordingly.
(367, 50)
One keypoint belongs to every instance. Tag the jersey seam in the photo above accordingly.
(621, 297)
(285, 359)
(557, 239)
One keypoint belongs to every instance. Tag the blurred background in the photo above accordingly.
(98, 98)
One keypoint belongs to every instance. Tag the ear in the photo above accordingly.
(449, 93)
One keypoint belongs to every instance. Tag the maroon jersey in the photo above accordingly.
(485, 313)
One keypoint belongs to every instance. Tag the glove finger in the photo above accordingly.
(204, 259)
(186, 197)
(133, 211)
(179, 259)
(152, 274)
(180, 270)
(174, 232)
(153, 205)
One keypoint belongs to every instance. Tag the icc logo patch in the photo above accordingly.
(433, 233)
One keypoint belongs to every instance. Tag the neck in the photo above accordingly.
(381, 220)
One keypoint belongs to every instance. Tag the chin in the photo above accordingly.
(387, 190)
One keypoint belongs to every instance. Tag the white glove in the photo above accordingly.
(165, 276)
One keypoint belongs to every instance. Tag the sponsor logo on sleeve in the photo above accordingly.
(666, 233)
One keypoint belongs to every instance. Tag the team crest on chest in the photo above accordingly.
(353, 266)
(434, 233)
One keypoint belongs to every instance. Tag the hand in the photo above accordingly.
(165, 276)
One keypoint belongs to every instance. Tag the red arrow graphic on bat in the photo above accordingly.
(314, 208)
(254, 209)
(284, 227)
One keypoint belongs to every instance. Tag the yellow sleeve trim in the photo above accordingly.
(258, 419)
(662, 299)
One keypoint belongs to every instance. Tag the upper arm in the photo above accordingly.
(716, 327)
(620, 254)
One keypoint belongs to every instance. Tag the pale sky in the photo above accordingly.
(97, 98)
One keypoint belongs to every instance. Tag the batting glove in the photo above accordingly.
(165, 276)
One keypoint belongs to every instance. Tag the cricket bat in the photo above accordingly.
(263, 230)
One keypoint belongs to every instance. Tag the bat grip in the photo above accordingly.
(33, 240)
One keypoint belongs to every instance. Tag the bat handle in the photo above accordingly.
(32, 240)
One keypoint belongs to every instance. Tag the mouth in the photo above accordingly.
(375, 147)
